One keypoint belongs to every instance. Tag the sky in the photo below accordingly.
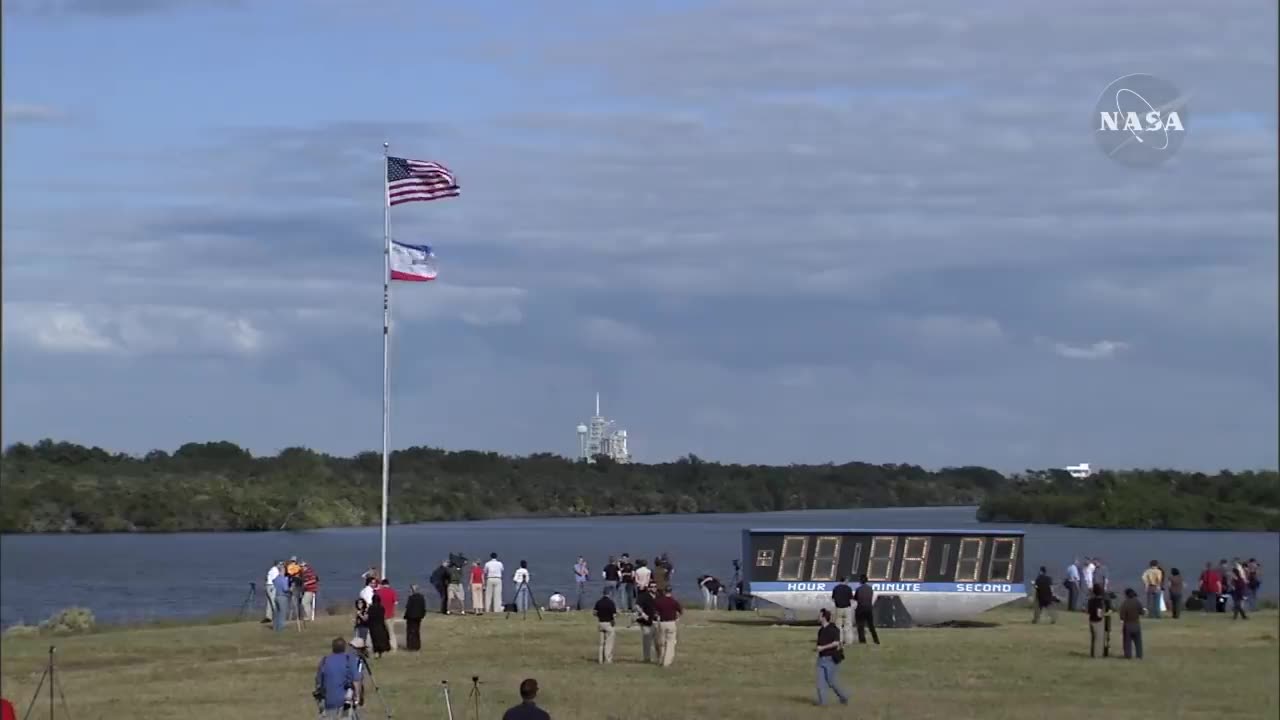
(766, 231)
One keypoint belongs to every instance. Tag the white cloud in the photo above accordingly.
(756, 228)
(1100, 350)
(129, 329)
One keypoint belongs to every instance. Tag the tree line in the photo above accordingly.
(54, 486)
(1141, 499)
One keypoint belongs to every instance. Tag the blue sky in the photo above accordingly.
(767, 231)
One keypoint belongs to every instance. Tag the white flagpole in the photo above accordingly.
(386, 347)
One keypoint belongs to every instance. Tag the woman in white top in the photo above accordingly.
(521, 580)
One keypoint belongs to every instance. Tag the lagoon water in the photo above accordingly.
(132, 578)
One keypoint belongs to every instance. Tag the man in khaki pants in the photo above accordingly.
(493, 584)
(669, 611)
(605, 612)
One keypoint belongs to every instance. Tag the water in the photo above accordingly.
(130, 578)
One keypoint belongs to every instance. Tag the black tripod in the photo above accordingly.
(367, 671)
(53, 682)
(524, 585)
(474, 695)
(248, 601)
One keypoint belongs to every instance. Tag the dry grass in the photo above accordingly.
(743, 670)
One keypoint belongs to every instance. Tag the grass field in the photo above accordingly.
(729, 665)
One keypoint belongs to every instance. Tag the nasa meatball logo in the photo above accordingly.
(1140, 120)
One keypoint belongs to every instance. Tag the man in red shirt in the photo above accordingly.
(6, 710)
(669, 611)
(388, 596)
(1211, 587)
(310, 586)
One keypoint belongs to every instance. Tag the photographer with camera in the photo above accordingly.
(337, 678)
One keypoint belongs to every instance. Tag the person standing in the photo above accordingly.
(272, 572)
(1210, 587)
(829, 656)
(646, 616)
(1096, 608)
(1044, 597)
(366, 592)
(627, 582)
(378, 635)
(610, 572)
(457, 597)
(842, 598)
(310, 588)
(1176, 588)
(389, 597)
(1072, 584)
(1153, 580)
(707, 600)
(281, 585)
(360, 622)
(415, 609)
(521, 580)
(643, 574)
(662, 575)
(1131, 612)
(527, 709)
(580, 576)
(1101, 574)
(1254, 569)
(605, 612)
(1086, 574)
(440, 581)
(669, 612)
(1239, 592)
(477, 588)
(493, 583)
(864, 615)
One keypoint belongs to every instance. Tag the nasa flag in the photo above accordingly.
(415, 263)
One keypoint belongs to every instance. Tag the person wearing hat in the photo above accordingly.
(527, 709)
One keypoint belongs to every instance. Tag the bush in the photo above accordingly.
(69, 620)
(20, 629)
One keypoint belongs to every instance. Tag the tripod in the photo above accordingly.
(474, 695)
(448, 708)
(248, 601)
(53, 682)
(524, 585)
(367, 670)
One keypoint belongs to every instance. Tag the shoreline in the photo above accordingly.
(496, 518)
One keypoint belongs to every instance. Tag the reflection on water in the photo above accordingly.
(125, 578)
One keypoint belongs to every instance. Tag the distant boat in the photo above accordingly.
(921, 577)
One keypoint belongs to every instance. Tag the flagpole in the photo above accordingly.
(386, 348)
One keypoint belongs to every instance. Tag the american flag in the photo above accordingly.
(414, 180)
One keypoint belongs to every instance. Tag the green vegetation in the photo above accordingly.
(727, 665)
(64, 487)
(1153, 499)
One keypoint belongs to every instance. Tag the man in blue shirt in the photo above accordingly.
(281, 583)
(336, 679)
